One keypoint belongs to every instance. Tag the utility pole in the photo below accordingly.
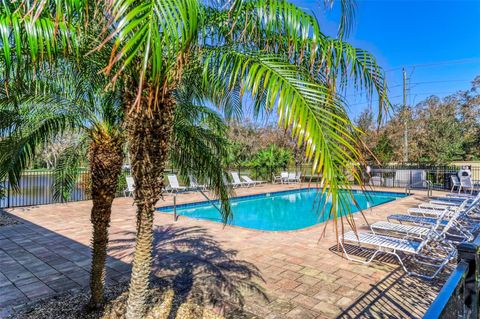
(405, 132)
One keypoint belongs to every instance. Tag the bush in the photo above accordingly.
(269, 161)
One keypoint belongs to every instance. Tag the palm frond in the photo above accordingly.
(67, 171)
(19, 148)
(347, 16)
(282, 28)
(199, 147)
(151, 35)
(315, 115)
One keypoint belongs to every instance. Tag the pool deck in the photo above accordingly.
(295, 274)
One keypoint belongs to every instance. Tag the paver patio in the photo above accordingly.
(299, 275)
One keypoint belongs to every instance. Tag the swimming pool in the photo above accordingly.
(279, 211)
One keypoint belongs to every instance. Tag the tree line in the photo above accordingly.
(440, 130)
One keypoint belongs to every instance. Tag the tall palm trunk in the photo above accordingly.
(148, 138)
(106, 159)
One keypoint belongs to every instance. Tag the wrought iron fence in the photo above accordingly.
(36, 188)
(439, 177)
(460, 296)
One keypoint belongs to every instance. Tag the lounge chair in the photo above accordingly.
(130, 186)
(450, 204)
(461, 221)
(237, 182)
(419, 249)
(194, 183)
(417, 231)
(282, 178)
(174, 184)
(250, 181)
(455, 183)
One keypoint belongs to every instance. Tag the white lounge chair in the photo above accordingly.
(461, 220)
(403, 229)
(237, 182)
(250, 181)
(394, 246)
(174, 184)
(417, 231)
(194, 183)
(282, 178)
(130, 186)
(450, 204)
(455, 183)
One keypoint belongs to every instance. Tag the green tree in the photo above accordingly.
(268, 161)
(384, 149)
(440, 137)
(271, 49)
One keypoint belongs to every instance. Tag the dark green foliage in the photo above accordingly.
(268, 162)
(384, 149)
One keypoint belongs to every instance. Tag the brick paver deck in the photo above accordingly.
(277, 274)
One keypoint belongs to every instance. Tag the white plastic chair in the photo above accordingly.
(130, 186)
(292, 178)
(455, 182)
(466, 184)
(282, 178)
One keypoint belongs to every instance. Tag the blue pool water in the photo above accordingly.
(280, 211)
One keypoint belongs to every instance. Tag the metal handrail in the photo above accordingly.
(439, 305)
(175, 216)
(429, 184)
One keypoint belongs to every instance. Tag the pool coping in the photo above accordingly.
(166, 209)
(163, 209)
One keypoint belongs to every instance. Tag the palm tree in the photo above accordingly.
(68, 101)
(271, 49)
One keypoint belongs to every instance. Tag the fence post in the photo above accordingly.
(469, 252)
(8, 192)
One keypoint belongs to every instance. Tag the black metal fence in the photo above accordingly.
(460, 296)
(439, 177)
(36, 188)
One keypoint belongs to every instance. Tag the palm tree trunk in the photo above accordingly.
(106, 159)
(148, 138)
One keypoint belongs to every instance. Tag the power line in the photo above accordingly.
(362, 92)
(424, 65)
(401, 95)
(429, 82)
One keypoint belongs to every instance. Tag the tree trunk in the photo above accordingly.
(106, 159)
(148, 138)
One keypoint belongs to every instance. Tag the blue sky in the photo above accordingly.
(437, 41)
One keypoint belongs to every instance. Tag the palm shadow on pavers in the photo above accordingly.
(37, 263)
(397, 295)
(195, 265)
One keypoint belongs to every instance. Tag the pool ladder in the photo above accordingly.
(429, 184)
(175, 216)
